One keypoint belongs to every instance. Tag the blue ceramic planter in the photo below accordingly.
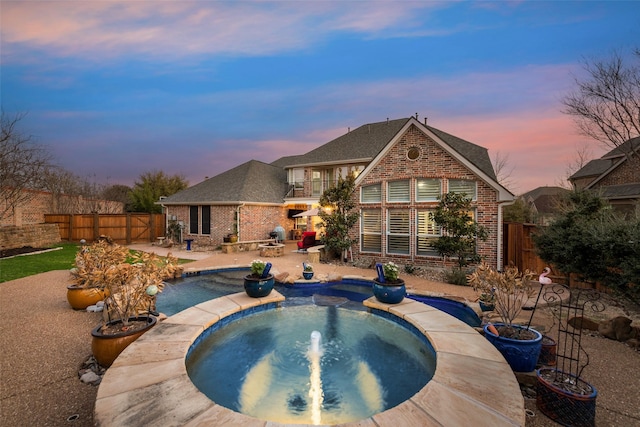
(389, 293)
(258, 287)
(308, 275)
(522, 355)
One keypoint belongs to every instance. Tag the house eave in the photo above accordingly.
(329, 163)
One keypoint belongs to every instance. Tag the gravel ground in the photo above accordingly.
(43, 343)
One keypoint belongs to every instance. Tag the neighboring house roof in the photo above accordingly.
(253, 181)
(544, 198)
(621, 191)
(598, 168)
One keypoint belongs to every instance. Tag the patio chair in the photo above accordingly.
(308, 240)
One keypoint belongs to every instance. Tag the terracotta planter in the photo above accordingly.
(561, 405)
(389, 293)
(257, 287)
(547, 352)
(106, 348)
(80, 298)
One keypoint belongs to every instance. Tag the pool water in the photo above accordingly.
(182, 293)
(262, 364)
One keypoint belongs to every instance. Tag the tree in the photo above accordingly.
(153, 185)
(606, 105)
(336, 214)
(590, 240)
(504, 172)
(21, 164)
(459, 231)
(119, 193)
(519, 211)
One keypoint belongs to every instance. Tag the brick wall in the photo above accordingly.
(34, 235)
(40, 203)
(626, 173)
(433, 162)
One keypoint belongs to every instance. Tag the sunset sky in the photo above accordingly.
(115, 89)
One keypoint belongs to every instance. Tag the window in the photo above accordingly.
(194, 226)
(371, 194)
(199, 215)
(428, 189)
(463, 186)
(398, 231)
(371, 230)
(398, 191)
(297, 178)
(206, 219)
(427, 233)
(316, 183)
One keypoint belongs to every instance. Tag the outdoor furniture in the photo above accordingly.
(308, 240)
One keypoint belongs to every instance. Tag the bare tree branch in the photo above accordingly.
(22, 163)
(606, 106)
(504, 171)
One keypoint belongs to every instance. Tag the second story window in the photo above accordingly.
(463, 186)
(428, 189)
(371, 194)
(398, 191)
(297, 178)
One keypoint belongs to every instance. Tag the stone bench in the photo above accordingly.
(313, 253)
(244, 246)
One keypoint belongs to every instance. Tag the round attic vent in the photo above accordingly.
(413, 153)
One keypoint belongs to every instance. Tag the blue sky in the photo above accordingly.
(116, 89)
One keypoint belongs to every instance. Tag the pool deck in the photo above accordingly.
(148, 383)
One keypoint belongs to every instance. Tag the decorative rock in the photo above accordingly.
(90, 377)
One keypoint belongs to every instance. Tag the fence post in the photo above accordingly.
(128, 232)
(152, 227)
(96, 226)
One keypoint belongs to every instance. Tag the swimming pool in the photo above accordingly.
(194, 288)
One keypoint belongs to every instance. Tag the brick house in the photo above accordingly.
(402, 167)
(616, 176)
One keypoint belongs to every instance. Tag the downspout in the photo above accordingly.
(499, 245)
(238, 220)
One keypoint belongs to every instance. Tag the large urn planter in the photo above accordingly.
(107, 347)
(565, 399)
(521, 354)
(258, 287)
(389, 292)
(80, 298)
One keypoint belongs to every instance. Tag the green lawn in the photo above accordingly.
(28, 265)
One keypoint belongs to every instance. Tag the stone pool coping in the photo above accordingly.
(148, 383)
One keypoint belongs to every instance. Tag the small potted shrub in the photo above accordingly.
(487, 301)
(132, 285)
(307, 271)
(387, 286)
(260, 282)
(89, 284)
(520, 345)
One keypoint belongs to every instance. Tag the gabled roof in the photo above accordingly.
(253, 181)
(597, 167)
(366, 142)
(621, 191)
(361, 144)
(545, 199)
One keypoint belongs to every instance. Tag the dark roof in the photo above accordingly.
(545, 199)
(623, 149)
(599, 166)
(253, 181)
(621, 191)
(368, 140)
(364, 142)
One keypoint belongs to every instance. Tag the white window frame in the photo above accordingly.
(370, 229)
(428, 182)
(396, 193)
(297, 178)
(458, 186)
(398, 231)
(364, 194)
(426, 233)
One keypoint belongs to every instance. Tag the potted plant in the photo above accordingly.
(89, 285)
(487, 301)
(388, 287)
(132, 284)
(260, 282)
(307, 271)
(520, 345)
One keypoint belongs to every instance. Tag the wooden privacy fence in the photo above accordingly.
(122, 228)
(520, 251)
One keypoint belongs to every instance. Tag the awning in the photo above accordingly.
(293, 212)
(310, 212)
